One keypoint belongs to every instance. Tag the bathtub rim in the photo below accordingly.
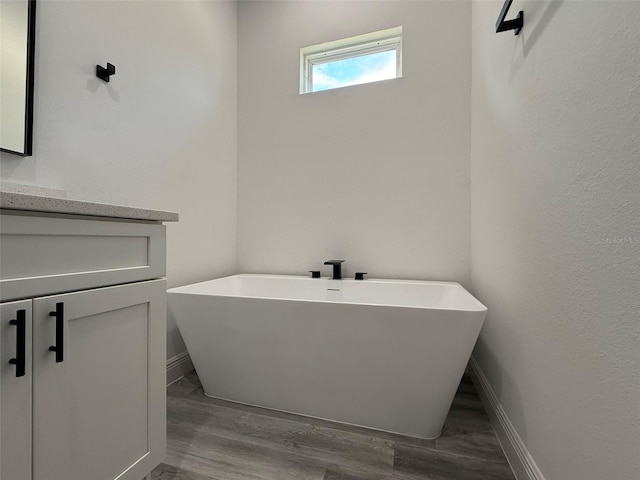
(480, 306)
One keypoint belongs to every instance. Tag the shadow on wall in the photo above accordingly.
(500, 381)
(10, 163)
(534, 11)
(175, 343)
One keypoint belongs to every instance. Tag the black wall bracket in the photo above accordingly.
(503, 25)
(104, 73)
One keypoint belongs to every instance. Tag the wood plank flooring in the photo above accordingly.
(210, 439)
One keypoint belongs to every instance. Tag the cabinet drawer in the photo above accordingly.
(46, 255)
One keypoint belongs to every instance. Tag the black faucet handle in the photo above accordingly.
(333, 262)
(360, 275)
(315, 273)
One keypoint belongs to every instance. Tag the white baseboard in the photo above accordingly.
(522, 464)
(178, 366)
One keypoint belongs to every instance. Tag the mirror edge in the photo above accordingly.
(31, 49)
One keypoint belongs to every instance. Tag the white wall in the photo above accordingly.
(555, 169)
(377, 174)
(160, 135)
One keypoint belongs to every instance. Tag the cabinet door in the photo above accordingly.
(99, 400)
(15, 390)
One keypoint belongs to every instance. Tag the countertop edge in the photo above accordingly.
(35, 203)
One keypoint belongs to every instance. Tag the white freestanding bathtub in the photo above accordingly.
(384, 354)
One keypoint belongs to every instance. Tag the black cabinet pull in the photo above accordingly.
(59, 346)
(21, 342)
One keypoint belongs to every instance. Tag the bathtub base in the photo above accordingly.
(320, 418)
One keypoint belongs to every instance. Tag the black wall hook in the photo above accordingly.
(503, 25)
(104, 73)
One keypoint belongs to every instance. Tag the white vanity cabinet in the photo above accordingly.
(82, 347)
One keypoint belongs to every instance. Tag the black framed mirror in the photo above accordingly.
(18, 27)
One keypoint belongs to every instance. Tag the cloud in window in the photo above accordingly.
(354, 71)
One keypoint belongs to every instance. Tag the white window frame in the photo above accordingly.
(375, 42)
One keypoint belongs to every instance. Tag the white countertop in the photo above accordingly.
(38, 203)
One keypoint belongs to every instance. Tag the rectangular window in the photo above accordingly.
(351, 61)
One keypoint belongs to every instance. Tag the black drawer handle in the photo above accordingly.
(21, 342)
(59, 346)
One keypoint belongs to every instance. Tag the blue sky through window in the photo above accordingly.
(354, 71)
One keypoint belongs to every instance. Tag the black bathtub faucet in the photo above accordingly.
(337, 268)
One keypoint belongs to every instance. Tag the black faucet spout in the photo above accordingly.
(337, 268)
